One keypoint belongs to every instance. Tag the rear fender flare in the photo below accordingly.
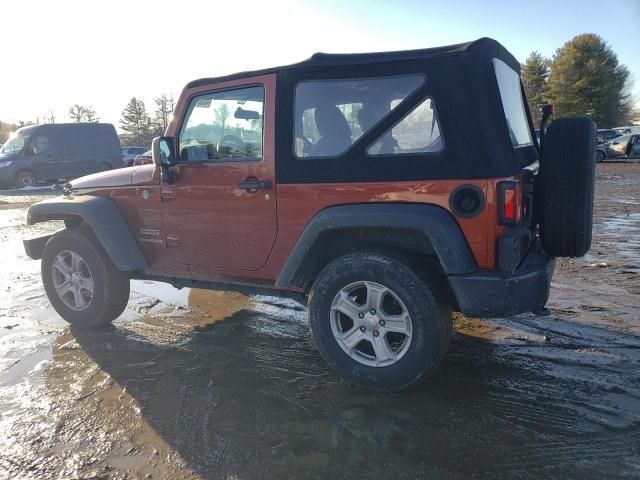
(433, 223)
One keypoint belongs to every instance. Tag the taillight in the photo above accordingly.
(509, 202)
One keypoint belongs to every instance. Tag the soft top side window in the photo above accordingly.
(223, 126)
(330, 115)
(417, 132)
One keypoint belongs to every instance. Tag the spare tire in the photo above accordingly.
(567, 172)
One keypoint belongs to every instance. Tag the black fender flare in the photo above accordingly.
(432, 222)
(103, 216)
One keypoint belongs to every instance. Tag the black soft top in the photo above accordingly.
(461, 81)
(322, 59)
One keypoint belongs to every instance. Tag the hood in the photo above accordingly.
(8, 156)
(121, 177)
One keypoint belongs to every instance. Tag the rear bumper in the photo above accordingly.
(493, 294)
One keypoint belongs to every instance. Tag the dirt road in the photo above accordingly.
(194, 384)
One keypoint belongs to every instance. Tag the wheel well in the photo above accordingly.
(408, 244)
(28, 170)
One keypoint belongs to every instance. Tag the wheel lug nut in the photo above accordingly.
(376, 333)
(363, 329)
(361, 315)
(372, 311)
(382, 323)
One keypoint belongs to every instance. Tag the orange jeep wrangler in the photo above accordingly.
(384, 190)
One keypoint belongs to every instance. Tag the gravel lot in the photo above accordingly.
(193, 384)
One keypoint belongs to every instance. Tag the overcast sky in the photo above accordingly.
(57, 53)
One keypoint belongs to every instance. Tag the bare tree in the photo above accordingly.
(222, 114)
(76, 113)
(81, 113)
(165, 106)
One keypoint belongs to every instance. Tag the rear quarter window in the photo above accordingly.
(512, 103)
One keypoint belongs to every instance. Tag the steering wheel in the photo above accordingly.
(235, 144)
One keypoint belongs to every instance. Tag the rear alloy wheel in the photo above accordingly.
(25, 178)
(600, 156)
(371, 324)
(377, 322)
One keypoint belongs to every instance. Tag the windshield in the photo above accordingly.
(511, 96)
(14, 144)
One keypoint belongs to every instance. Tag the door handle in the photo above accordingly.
(255, 184)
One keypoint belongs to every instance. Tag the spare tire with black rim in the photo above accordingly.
(567, 173)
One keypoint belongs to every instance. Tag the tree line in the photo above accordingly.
(583, 78)
(138, 126)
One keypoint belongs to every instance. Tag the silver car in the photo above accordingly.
(129, 153)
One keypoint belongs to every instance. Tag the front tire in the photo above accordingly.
(80, 280)
(25, 178)
(377, 322)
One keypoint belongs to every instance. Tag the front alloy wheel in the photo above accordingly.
(81, 281)
(72, 280)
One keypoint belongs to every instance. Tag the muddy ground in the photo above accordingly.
(196, 384)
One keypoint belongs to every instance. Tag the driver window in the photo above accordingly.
(40, 145)
(223, 127)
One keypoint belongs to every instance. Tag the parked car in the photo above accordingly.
(629, 130)
(129, 154)
(143, 159)
(606, 135)
(383, 221)
(625, 146)
(62, 150)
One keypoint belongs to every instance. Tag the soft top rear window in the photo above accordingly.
(512, 102)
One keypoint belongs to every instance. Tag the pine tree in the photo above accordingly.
(587, 79)
(136, 123)
(534, 74)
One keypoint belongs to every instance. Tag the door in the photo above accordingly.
(40, 153)
(634, 149)
(618, 146)
(221, 210)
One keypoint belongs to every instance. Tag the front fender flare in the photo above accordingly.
(103, 216)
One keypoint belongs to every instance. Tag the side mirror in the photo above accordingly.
(162, 154)
(162, 151)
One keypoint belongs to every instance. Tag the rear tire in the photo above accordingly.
(80, 280)
(567, 174)
(600, 156)
(396, 331)
(25, 178)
